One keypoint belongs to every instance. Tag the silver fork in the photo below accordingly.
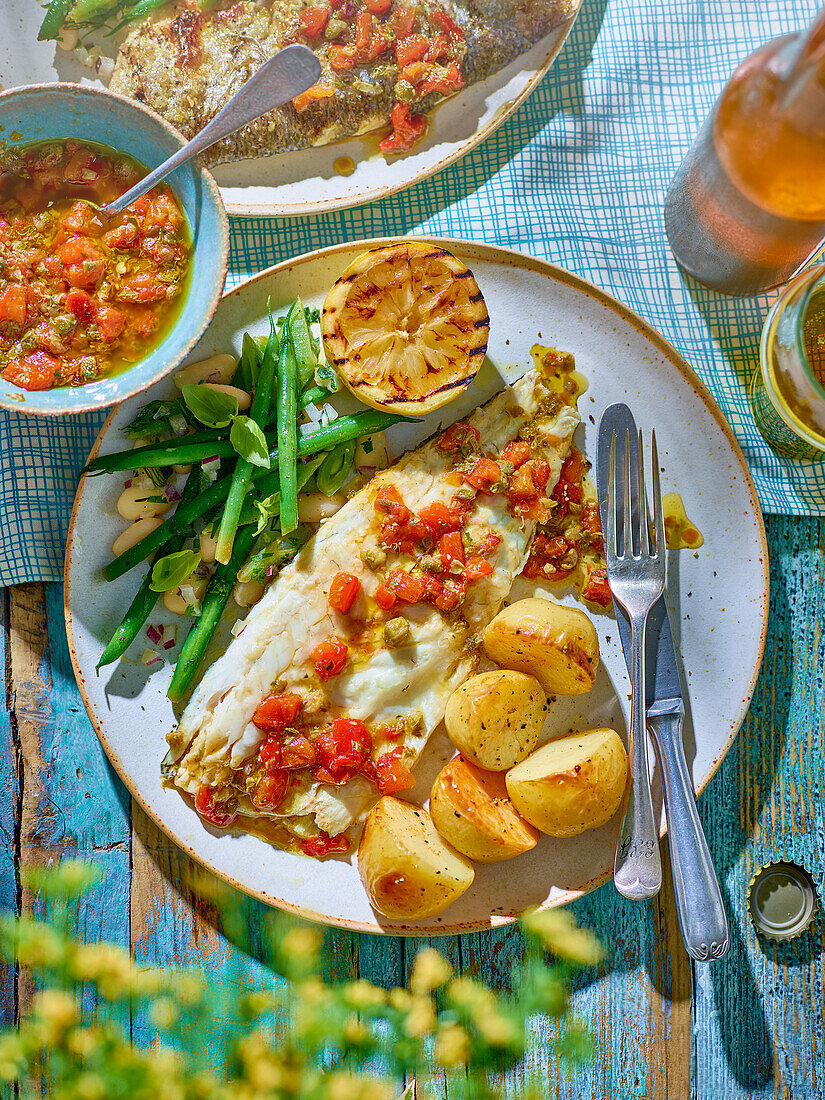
(637, 580)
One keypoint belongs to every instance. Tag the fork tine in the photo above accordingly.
(611, 500)
(644, 518)
(658, 511)
(627, 501)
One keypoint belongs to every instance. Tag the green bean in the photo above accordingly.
(213, 604)
(287, 422)
(93, 11)
(336, 468)
(243, 468)
(170, 452)
(249, 365)
(141, 606)
(311, 396)
(322, 439)
(305, 357)
(141, 9)
(54, 19)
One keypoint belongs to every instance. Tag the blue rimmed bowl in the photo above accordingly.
(48, 112)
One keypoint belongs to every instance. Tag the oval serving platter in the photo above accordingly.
(306, 181)
(723, 587)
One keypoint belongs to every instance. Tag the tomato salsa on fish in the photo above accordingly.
(83, 296)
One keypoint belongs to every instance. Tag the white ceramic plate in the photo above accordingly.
(306, 182)
(718, 597)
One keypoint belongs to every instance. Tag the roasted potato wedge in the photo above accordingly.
(556, 644)
(495, 718)
(407, 869)
(571, 784)
(472, 811)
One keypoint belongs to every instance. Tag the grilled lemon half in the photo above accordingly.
(406, 327)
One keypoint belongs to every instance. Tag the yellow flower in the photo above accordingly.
(558, 932)
(82, 1041)
(164, 1013)
(430, 971)
(188, 988)
(56, 1009)
(421, 1017)
(107, 965)
(12, 1057)
(354, 1030)
(38, 945)
(345, 1086)
(363, 994)
(496, 1029)
(89, 1086)
(301, 943)
(472, 996)
(400, 999)
(452, 1046)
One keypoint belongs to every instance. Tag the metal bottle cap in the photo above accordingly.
(782, 900)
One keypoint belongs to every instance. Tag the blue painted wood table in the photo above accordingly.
(748, 1026)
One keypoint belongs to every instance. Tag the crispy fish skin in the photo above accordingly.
(186, 64)
(379, 685)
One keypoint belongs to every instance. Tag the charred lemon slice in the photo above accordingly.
(406, 327)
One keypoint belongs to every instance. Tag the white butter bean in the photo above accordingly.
(241, 396)
(247, 593)
(174, 600)
(127, 539)
(313, 507)
(218, 368)
(142, 501)
(208, 545)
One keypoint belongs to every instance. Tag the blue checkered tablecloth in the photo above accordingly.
(576, 176)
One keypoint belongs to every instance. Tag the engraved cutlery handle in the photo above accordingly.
(701, 912)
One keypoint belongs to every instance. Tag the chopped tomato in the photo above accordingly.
(110, 323)
(522, 486)
(409, 587)
(82, 261)
(329, 657)
(403, 22)
(312, 95)
(82, 218)
(144, 287)
(123, 236)
(453, 591)
(313, 21)
(385, 597)
(343, 592)
(270, 790)
(271, 753)
(342, 750)
(35, 371)
(597, 589)
(368, 45)
(298, 753)
(216, 813)
(276, 712)
(517, 452)
(484, 474)
(457, 436)
(412, 48)
(163, 212)
(590, 520)
(477, 567)
(390, 503)
(391, 773)
(81, 305)
(439, 48)
(439, 518)
(451, 549)
(545, 558)
(407, 129)
(450, 28)
(489, 542)
(378, 7)
(439, 79)
(13, 305)
(324, 845)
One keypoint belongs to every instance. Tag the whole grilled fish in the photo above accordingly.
(401, 660)
(385, 62)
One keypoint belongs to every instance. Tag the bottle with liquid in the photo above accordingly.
(747, 206)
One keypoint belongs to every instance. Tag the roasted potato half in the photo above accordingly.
(571, 784)
(472, 811)
(495, 718)
(556, 644)
(407, 869)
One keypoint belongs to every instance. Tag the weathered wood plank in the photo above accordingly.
(9, 795)
(758, 1013)
(71, 803)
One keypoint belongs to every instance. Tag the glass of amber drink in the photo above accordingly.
(746, 208)
(788, 389)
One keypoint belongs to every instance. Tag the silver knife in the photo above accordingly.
(702, 917)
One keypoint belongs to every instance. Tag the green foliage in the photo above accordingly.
(326, 1033)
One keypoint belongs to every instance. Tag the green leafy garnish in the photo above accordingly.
(173, 569)
(249, 365)
(210, 406)
(153, 418)
(249, 441)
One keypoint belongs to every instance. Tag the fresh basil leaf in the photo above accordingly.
(153, 418)
(267, 509)
(249, 441)
(211, 407)
(249, 366)
(173, 569)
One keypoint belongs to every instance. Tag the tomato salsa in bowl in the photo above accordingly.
(94, 309)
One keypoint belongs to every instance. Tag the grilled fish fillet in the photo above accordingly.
(217, 744)
(186, 64)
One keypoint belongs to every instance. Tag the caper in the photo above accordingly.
(404, 91)
(396, 633)
(365, 87)
(373, 557)
(64, 323)
(335, 28)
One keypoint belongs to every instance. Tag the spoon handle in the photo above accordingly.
(287, 74)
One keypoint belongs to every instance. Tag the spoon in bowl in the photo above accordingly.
(287, 74)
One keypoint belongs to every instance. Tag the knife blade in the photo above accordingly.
(699, 906)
